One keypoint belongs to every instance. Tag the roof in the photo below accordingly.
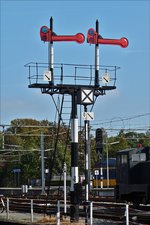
(134, 150)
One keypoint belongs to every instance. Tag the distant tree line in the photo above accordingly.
(20, 144)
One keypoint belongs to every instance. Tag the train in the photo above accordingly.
(104, 173)
(133, 175)
(128, 174)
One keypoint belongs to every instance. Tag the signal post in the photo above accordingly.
(81, 94)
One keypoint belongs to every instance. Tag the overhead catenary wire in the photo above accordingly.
(117, 119)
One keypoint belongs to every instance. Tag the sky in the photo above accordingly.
(20, 44)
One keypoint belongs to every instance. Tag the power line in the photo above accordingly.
(118, 119)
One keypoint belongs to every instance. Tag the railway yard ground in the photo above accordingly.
(21, 218)
(44, 210)
(103, 213)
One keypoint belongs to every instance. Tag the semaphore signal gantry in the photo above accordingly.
(84, 83)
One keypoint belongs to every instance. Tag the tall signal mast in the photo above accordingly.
(83, 89)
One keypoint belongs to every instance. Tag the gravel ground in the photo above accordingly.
(24, 218)
(39, 219)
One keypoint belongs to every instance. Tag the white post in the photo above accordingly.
(51, 53)
(107, 164)
(91, 213)
(127, 214)
(7, 208)
(58, 213)
(97, 57)
(65, 198)
(101, 175)
(42, 164)
(31, 210)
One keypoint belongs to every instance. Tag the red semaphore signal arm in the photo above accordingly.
(123, 42)
(47, 36)
(94, 38)
(79, 38)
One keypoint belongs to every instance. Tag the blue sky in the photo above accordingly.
(20, 43)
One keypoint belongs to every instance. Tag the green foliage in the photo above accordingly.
(126, 140)
(23, 140)
(30, 166)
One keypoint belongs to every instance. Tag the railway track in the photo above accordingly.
(101, 210)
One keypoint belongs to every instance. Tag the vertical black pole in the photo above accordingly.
(97, 58)
(87, 176)
(74, 196)
(86, 124)
(51, 53)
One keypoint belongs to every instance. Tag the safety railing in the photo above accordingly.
(74, 74)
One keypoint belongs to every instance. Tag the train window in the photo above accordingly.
(124, 159)
(138, 157)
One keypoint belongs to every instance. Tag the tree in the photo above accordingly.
(23, 137)
(30, 167)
